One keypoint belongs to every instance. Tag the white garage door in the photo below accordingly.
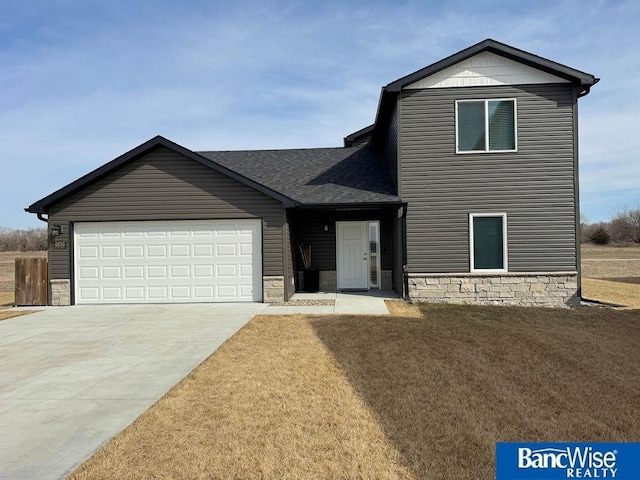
(168, 262)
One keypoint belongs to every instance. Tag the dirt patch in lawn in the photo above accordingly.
(388, 397)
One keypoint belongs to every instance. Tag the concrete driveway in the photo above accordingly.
(73, 377)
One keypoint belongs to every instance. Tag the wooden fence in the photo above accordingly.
(31, 281)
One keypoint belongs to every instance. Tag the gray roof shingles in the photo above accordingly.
(316, 176)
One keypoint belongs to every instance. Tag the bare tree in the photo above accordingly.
(625, 227)
(22, 240)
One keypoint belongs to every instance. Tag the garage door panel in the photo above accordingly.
(134, 294)
(158, 293)
(181, 250)
(88, 251)
(89, 273)
(89, 293)
(203, 250)
(157, 251)
(114, 272)
(229, 270)
(180, 261)
(157, 271)
(133, 251)
(110, 231)
(132, 272)
(112, 293)
(180, 271)
(133, 231)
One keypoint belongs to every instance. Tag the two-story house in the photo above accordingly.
(464, 189)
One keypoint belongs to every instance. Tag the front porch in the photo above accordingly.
(345, 249)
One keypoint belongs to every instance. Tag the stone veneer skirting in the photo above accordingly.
(273, 289)
(60, 292)
(558, 289)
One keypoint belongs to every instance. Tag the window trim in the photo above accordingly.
(378, 284)
(505, 252)
(486, 125)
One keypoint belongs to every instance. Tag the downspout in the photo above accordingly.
(41, 218)
(405, 268)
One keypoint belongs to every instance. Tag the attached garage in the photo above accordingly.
(168, 262)
(163, 224)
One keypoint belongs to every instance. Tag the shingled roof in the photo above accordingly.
(316, 176)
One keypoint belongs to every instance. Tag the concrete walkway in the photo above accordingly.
(346, 303)
(72, 377)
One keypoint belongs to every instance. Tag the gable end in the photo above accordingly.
(43, 205)
(486, 69)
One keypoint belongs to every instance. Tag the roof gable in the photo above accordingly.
(485, 69)
(42, 205)
(502, 50)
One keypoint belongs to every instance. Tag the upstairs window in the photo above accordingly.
(488, 242)
(485, 126)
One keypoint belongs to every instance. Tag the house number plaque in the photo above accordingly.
(60, 244)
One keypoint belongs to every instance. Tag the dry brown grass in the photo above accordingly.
(626, 294)
(6, 314)
(611, 274)
(400, 308)
(388, 397)
(610, 261)
(6, 299)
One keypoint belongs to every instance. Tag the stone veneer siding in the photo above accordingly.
(60, 292)
(524, 289)
(273, 289)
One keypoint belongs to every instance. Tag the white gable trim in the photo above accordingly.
(486, 69)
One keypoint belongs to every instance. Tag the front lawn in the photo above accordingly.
(388, 397)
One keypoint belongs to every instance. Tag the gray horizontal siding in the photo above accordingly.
(391, 148)
(164, 185)
(534, 186)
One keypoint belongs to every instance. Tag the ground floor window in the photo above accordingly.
(488, 242)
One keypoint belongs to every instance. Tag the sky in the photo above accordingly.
(82, 82)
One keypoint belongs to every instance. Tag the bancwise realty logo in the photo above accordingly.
(553, 461)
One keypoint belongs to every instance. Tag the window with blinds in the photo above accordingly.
(486, 126)
(488, 238)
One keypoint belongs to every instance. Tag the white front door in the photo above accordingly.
(352, 258)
